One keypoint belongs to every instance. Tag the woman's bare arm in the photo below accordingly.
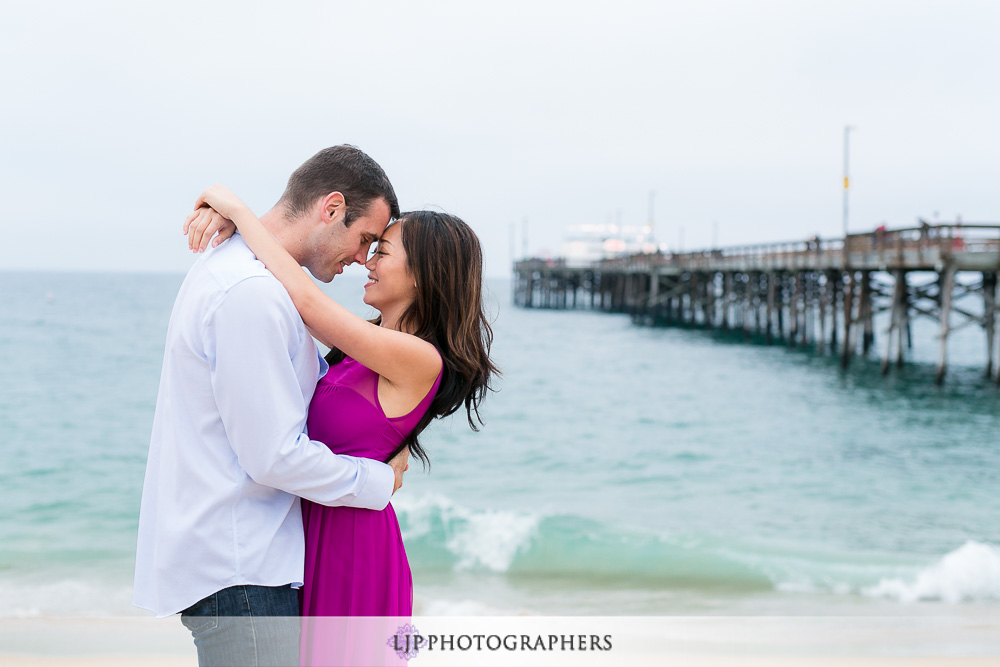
(399, 357)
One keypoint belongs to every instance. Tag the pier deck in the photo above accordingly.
(825, 292)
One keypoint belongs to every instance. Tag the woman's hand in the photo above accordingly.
(222, 200)
(202, 224)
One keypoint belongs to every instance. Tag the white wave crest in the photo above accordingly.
(969, 573)
(488, 539)
(492, 539)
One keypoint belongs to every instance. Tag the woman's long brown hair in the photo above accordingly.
(446, 261)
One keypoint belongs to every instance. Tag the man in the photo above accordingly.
(220, 527)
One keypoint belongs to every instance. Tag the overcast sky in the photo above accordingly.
(116, 114)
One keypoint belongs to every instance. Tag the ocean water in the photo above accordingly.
(621, 470)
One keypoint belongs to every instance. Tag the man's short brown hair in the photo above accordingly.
(344, 169)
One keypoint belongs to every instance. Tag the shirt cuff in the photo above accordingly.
(377, 489)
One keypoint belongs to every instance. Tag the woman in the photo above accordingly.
(425, 356)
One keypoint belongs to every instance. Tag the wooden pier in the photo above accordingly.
(821, 292)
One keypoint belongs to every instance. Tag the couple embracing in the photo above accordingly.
(270, 468)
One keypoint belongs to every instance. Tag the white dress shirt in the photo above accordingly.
(229, 455)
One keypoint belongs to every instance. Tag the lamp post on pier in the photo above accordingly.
(847, 142)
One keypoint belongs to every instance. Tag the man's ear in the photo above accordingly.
(333, 208)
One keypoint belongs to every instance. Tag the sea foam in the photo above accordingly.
(66, 597)
(970, 573)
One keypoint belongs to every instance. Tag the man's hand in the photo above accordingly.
(399, 466)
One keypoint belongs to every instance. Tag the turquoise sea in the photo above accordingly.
(622, 470)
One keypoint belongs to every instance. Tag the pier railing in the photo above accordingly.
(973, 246)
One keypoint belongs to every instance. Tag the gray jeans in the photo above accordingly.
(246, 626)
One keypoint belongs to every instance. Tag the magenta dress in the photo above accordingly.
(355, 561)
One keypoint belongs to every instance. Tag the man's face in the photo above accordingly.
(338, 246)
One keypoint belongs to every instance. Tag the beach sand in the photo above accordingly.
(13, 660)
(963, 640)
(687, 660)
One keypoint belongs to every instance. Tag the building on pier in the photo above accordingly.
(587, 244)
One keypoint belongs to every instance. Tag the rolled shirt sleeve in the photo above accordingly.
(259, 398)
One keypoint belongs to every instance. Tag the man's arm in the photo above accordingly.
(250, 339)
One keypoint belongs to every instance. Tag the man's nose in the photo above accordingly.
(361, 256)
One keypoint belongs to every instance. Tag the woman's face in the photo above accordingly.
(390, 284)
